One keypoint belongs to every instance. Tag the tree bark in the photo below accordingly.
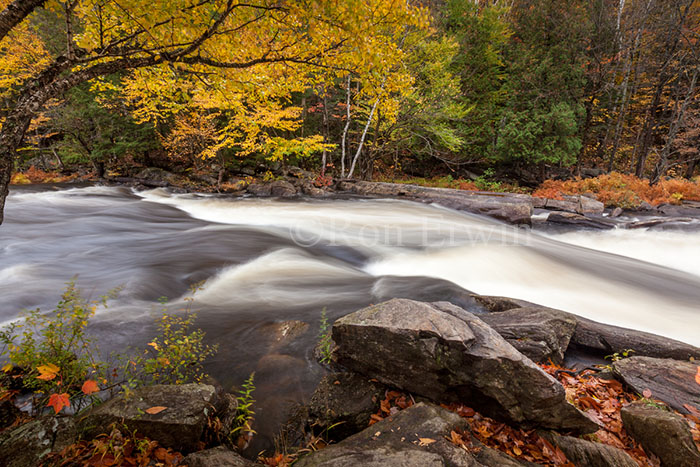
(15, 12)
(343, 142)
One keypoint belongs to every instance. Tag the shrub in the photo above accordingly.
(626, 191)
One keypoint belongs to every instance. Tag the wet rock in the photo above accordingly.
(281, 333)
(588, 453)
(662, 433)
(512, 208)
(27, 444)
(671, 381)
(309, 189)
(445, 353)
(541, 334)
(414, 437)
(219, 456)
(570, 205)
(181, 425)
(644, 206)
(617, 212)
(659, 221)
(282, 188)
(259, 189)
(571, 218)
(605, 339)
(346, 400)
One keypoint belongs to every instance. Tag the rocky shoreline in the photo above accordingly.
(446, 362)
(569, 213)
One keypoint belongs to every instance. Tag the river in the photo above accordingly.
(263, 260)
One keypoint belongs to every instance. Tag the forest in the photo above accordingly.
(516, 90)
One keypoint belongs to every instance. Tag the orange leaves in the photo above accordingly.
(90, 387)
(59, 401)
(626, 191)
(697, 376)
(47, 372)
(392, 403)
(155, 410)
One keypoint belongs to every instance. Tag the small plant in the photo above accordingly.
(244, 414)
(619, 355)
(55, 356)
(485, 181)
(325, 343)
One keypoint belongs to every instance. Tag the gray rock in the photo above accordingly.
(27, 444)
(259, 189)
(180, 426)
(346, 400)
(396, 441)
(659, 221)
(571, 218)
(588, 453)
(445, 353)
(282, 188)
(156, 174)
(662, 433)
(590, 206)
(606, 339)
(570, 205)
(509, 207)
(617, 212)
(219, 456)
(541, 334)
(493, 303)
(671, 381)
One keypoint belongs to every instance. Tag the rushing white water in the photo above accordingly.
(604, 281)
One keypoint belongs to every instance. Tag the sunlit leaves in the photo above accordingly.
(47, 372)
(89, 387)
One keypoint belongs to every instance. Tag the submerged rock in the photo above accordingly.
(671, 381)
(27, 444)
(414, 437)
(180, 424)
(661, 433)
(445, 353)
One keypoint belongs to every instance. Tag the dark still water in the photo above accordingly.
(265, 261)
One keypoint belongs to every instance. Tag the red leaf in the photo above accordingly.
(58, 401)
(89, 387)
(155, 410)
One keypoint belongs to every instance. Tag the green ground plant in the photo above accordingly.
(325, 343)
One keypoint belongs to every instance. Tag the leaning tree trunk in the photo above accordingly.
(11, 135)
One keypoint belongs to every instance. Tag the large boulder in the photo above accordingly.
(542, 334)
(661, 433)
(282, 188)
(509, 207)
(414, 437)
(27, 444)
(219, 456)
(445, 353)
(179, 422)
(582, 452)
(343, 403)
(671, 381)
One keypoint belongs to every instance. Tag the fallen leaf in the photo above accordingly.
(697, 376)
(647, 393)
(90, 387)
(425, 441)
(58, 401)
(155, 410)
(47, 372)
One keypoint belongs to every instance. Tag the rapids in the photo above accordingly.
(265, 260)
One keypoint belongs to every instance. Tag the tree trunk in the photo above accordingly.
(343, 142)
(11, 136)
(362, 138)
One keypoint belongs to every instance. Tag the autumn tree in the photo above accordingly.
(239, 59)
